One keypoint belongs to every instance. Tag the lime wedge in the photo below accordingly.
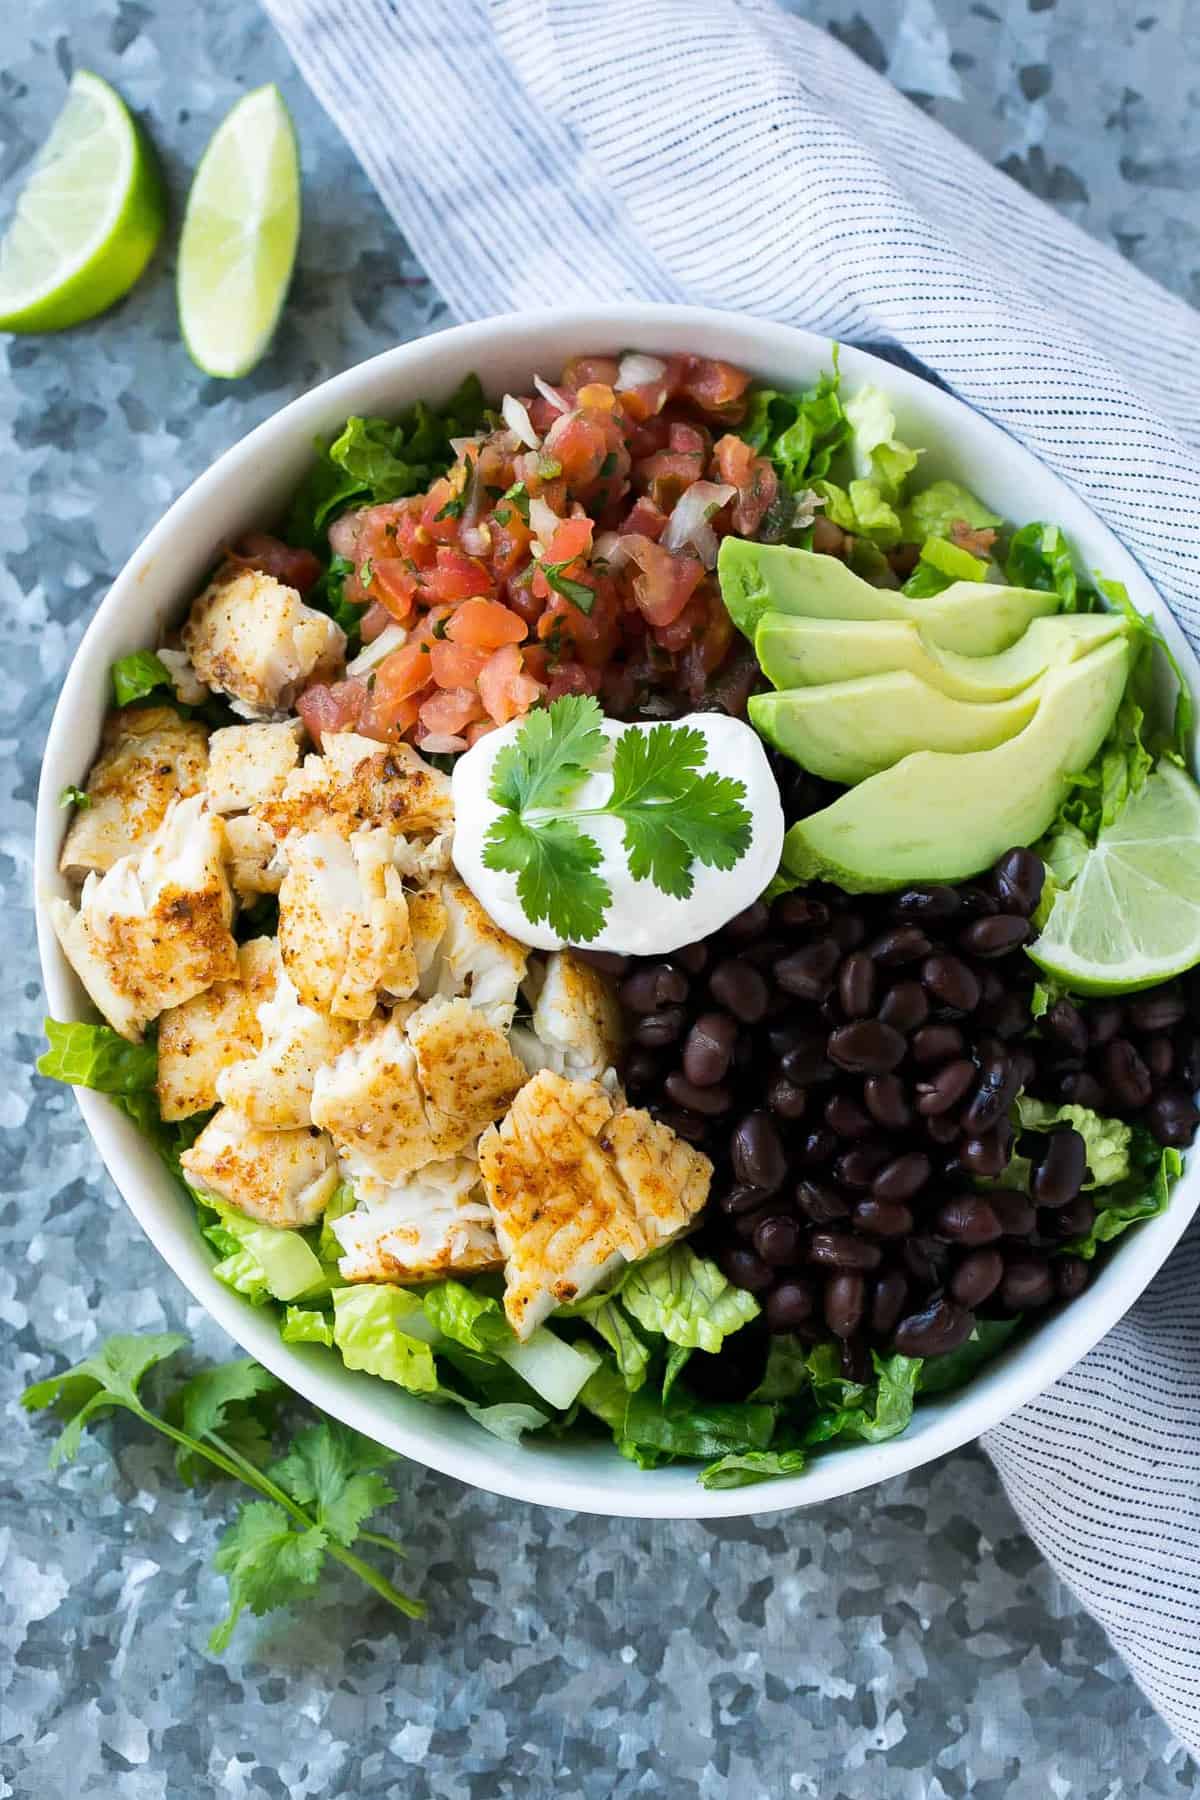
(1132, 916)
(88, 218)
(239, 236)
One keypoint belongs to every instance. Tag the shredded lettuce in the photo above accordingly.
(1144, 1194)
(876, 453)
(306, 1325)
(935, 510)
(1039, 556)
(261, 1261)
(138, 674)
(941, 1374)
(874, 1412)
(800, 432)
(746, 1467)
(1108, 1141)
(382, 1330)
(686, 1299)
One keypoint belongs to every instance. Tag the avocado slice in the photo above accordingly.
(849, 730)
(935, 816)
(972, 617)
(807, 652)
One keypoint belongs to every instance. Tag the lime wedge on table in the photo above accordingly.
(87, 219)
(1132, 916)
(239, 236)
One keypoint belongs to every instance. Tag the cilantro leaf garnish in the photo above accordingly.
(518, 493)
(577, 592)
(674, 815)
(75, 796)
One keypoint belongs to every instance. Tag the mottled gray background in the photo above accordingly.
(904, 1645)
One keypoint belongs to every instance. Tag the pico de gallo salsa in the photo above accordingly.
(568, 549)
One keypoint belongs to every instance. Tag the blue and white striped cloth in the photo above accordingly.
(539, 152)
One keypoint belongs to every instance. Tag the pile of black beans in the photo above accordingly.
(849, 1063)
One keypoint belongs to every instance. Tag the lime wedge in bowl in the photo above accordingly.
(1132, 916)
(87, 219)
(239, 236)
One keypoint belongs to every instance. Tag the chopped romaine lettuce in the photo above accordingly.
(800, 432)
(745, 1468)
(384, 1331)
(686, 1299)
(1144, 1194)
(876, 453)
(873, 1413)
(630, 1349)
(261, 1261)
(306, 1325)
(938, 508)
(556, 1370)
(940, 1374)
(138, 674)
(467, 1316)
(1108, 1140)
(1039, 556)
(685, 1426)
(96, 1056)
(862, 509)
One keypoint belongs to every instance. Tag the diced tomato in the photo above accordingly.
(597, 396)
(664, 583)
(457, 577)
(754, 478)
(485, 625)
(375, 621)
(439, 515)
(388, 722)
(504, 687)
(715, 387)
(454, 665)
(573, 678)
(332, 708)
(406, 671)
(591, 636)
(644, 519)
(478, 730)
(650, 397)
(511, 538)
(584, 441)
(394, 584)
(572, 538)
(451, 710)
(298, 569)
(343, 533)
(580, 370)
(542, 412)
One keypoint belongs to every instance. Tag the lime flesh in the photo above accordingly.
(88, 218)
(1132, 916)
(239, 236)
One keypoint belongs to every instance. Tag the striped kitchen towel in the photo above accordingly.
(539, 152)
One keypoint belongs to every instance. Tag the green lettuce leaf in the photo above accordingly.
(605, 1394)
(873, 1413)
(508, 1420)
(138, 674)
(1039, 556)
(373, 1326)
(686, 1299)
(876, 453)
(940, 1374)
(343, 1201)
(1108, 1141)
(306, 1325)
(800, 432)
(862, 509)
(96, 1056)
(685, 1426)
(938, 508)
(940, 564)
(1144, 1194)
(261, 1261)
(630, 1350)
(745, 1468)
(787, 1372)
(468, 1316)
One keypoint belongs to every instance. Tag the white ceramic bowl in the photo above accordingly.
(248, 487)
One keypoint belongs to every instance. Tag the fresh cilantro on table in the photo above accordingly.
(673, 816)
(313, 1500)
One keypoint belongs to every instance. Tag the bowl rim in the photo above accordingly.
(1016, 1377)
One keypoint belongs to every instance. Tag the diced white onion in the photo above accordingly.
(688, 525)
(372, 654)
(461, 445)
(440, 743)
(638, 371)
(516, 417)
(604, 549)
(551, 394)
(476, 540)
(543, 519)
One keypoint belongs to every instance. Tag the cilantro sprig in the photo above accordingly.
(673, 815)
(312, 1502)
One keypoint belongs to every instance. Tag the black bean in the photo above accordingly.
(942, 1128)
(856, 985)
(687, 1125)
(1017, 880)
(968, 1219)
(978, 902)
(949, 981)
(643, 1069)
(928, 904)
(866, 1047)
(854, 1360)
(841, 1250)
(742, 1200)
(1071, 1221)
(905, 1006)
(1008, 1015)
(1024, 1063)
(927, 1260)
(822, 1203)
(941, 1327)
(806, 1062)
(887, 1102)
(762, 952)
(1015, 1213)
(989, 1155)
(945, 1089)
(709, 1102)
(1066, 1025)
(757, 1153)
(899, 944)
(903, 1177)
(997, 1089)
(647, 990)
(608, 962)
(785, 1099)
(1083, 1089)
(789, 1305)
(1126, 1074)
(858, 1168)
(751, 922)
(994, 937)
(844, 1115)
(1172, 1118)
(848, 929)
(1062, 1170)
(778, 1239)
(1158, 1054)
(1027, 1283)
(746, 1269)
(889, 1293)
(883, 1218)
(1187, 1057)
(740, 989)
(1158, 1010)
(692, 957)
(1104, 1020)
(977, 1277)
(708, 1049)
(796, 911)
(1071, 1276)
(808, 972)
(661, 1028)
(815, 1149)
(746, 1224)
(937, 1044)
(844, 1299)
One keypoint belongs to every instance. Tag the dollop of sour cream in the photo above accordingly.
(642, 920)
